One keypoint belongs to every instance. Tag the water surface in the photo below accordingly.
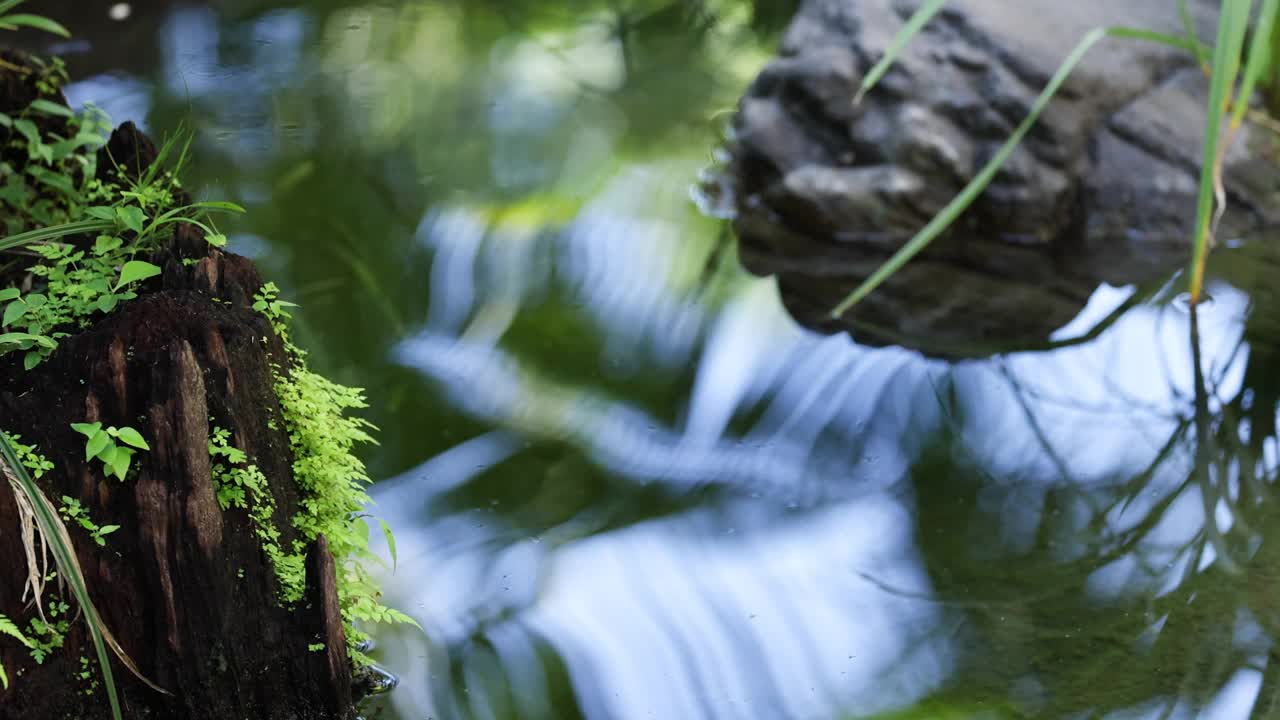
(624, 484)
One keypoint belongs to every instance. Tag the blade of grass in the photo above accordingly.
(1233, 22)
(53, 232)
(36, 21)
(1189, 27)
(7, 5)
(55, 538)
(961, 202)
(914, 25)
(1260, 56)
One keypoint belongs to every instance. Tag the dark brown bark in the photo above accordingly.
(184, 586)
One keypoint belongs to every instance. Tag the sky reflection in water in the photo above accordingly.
(624, 483)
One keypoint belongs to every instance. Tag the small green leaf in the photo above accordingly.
(391, 542)
(108, 529)
(51, 108)
(10, 294)
(87, 429)
(25, 340)
(131, 217)
(136, 270)
(120, 463)
(106, 243)
(107, 303)
(132, 437)
(6, 121)
(100, 212)
(216, 239)
(95, 445)
(13, 312)
(55, 180)
(28, 130)
(30, 360)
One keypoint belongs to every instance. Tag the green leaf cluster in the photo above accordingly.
(101, 444)
(87, 675)
(72, 510)
(58, 194)
(30, 458)
(77, 286)
(323, 437)
(59, 174)
(89, 233)
(8, 628)
(48, 633)
(240, 484)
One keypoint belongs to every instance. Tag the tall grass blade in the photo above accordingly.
(913, 27)
(961, 202)
(54, 232)
(7, 5)
(1261, 56)
(1233, 22)
(1189, 27)
(38, 22)
(56, 539)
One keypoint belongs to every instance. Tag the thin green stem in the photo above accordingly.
(961, 202)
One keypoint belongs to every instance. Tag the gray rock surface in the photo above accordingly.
(1102, 190)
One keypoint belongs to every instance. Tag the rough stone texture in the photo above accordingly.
(1102, 190)
(184, 587)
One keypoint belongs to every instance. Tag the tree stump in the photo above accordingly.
(184, 586)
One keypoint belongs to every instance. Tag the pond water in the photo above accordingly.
(623, 483)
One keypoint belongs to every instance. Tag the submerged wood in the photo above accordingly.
(1102, 190)
(184, 586)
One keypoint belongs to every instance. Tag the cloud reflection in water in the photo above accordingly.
(796, 589)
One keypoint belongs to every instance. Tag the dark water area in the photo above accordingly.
(624, 483)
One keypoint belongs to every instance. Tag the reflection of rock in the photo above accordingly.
(1103, 189)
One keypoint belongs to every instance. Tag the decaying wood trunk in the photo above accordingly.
(184, 586)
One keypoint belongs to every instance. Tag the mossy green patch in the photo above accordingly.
(323, 436)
